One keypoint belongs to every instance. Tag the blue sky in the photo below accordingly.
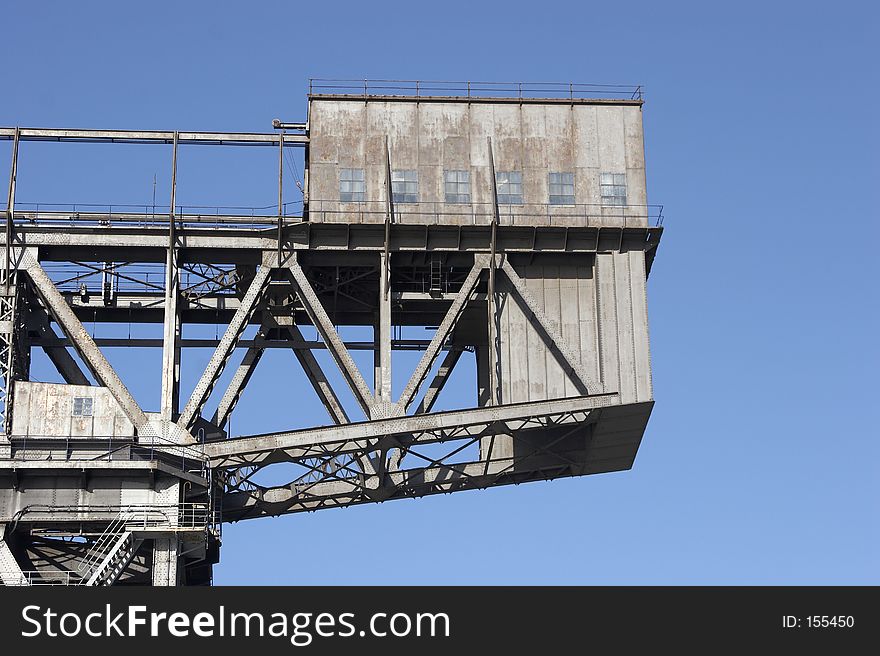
(760, 463)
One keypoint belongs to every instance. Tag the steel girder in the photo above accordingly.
(383, 458)
(554, 437)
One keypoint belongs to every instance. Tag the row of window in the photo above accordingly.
(457, 187)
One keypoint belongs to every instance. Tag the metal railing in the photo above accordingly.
(131, 517)
(474, 89)
(122, 519)
(526, 214)
(107, 448)
(102, 546)
(37, 577)
(133, 215)
(330, 210)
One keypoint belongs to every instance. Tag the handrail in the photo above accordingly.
(58, 577)
(95, 556)
(436, 212)
(127, 519)
(92, 449)
(161, 211)
(156, 443)
(319, 209)
(474, 88)
(133, 516)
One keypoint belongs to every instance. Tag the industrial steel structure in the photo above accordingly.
(512, 220)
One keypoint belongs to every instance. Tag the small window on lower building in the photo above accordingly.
(405, 186)
(457, 185)
(82, 406)
(613, 189)
(509, 187)
(352, 188)
(562, 188)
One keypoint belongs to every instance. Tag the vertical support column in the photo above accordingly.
(8, 314)
(171, 340)
(280, 194)
(389, 191)
(165, 561)
(171, 333)
(166, 549)
(491, 308)
(492, 447)
(10, 210)
(383, 335)
(305, 180)
(481, 353)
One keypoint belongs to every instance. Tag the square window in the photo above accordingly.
(561, 188)
(613, 187)
(508, 185)
(352, 187)
(457, 186)
(82, 406)
(405, 186)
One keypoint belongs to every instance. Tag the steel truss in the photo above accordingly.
(282, 273)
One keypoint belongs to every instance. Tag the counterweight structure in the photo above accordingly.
(510, 221)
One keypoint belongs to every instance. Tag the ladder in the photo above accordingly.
(436, 286)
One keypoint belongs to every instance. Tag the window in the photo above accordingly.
(82, 406)
(405, 186)
(562, 188)
(352, 188)
(509, 186)
(457, 185)
(613, 188)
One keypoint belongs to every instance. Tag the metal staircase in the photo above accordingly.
(114, 549)
(111, 553)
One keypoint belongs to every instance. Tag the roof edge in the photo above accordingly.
(638, 102)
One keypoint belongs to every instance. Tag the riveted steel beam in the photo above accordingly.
(153, 136)
(58, 355)
(227, 344)
(83, 343)
(340, 354)
(257, 448)
(439, 381)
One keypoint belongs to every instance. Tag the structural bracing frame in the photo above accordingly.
(536, 367)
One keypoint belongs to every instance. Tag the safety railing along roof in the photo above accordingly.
(98, 215)
(475, 89)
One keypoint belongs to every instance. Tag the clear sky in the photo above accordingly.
(760, 463)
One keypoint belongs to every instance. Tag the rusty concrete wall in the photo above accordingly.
(533, 137)
(46, 410)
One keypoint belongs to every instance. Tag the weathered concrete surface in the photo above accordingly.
(46, 410)
(534, 138)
